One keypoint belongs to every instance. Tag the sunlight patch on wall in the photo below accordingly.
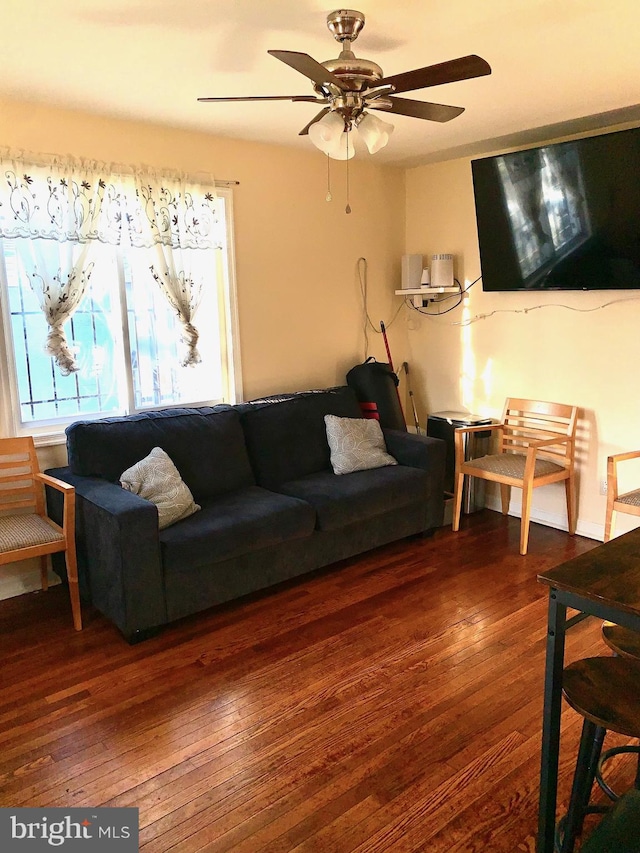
(487, 379)
(468, 361)
(476, 381)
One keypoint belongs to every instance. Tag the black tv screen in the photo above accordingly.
(561, 217)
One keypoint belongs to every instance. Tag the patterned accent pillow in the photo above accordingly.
(356, 444)
(155, 478)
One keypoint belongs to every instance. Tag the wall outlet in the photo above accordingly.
(603, 487)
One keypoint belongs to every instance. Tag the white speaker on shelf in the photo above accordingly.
(442, 270)
(411, 271)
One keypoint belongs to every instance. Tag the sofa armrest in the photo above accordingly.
(417, 451)
(429, 454)
(118, 551)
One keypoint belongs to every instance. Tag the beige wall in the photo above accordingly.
(296, 255)
(299, 299)
(529, 348)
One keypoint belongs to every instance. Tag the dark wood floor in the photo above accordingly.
(392, 703)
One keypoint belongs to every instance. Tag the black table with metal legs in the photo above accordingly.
(603, 582)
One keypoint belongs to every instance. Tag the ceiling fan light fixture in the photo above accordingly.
(325, 134)
(374, 132)
(345, 149)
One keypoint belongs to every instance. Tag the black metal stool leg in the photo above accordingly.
(588, 754)
(610, 753)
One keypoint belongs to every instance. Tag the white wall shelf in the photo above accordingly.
(426, 292)
(422, 295)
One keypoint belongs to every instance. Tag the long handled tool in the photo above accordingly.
(386, 346)
(405, 367)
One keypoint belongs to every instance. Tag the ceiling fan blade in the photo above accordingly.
(308, 66)
(464, 68)
(308, 98)
(420, 109)
(321, 114)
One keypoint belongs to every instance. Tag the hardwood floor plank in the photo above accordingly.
(390, 703)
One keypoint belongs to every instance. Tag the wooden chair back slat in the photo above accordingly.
(18, 485)
(527, 421)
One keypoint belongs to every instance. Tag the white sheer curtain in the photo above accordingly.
(47, 200)
(175, 219)
(54, 209)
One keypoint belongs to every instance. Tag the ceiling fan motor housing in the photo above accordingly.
(355, 74)
(345, 24)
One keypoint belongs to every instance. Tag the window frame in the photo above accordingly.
(51, 433)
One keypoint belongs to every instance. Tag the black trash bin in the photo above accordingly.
(443, 425)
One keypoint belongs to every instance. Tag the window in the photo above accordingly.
(124, 334)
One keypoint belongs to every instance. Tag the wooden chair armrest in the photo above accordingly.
(613, 490)
(68, 501)
(479, 428)
(460, 432)
(622, 457)
(55, 483)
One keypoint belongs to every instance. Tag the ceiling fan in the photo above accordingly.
(348, 87)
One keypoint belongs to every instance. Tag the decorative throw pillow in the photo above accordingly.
(157, 479)
(356, 444)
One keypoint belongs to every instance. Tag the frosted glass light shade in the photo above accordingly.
(345, 149)
(325, 134)
(374, 132)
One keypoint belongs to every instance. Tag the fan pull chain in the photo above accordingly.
(328, 196)
(348, 207)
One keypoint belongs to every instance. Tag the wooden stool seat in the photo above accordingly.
(621, 641)
(605, 691)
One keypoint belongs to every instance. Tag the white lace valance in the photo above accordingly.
(64, 199)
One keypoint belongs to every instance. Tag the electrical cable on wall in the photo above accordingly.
(468, 321)
(478, 317)
(367, 322)
(459, 297)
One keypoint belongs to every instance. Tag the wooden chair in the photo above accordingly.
(535, 448)
(25, 529)
(628, 502)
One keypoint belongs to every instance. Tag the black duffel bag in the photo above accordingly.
(376, 387)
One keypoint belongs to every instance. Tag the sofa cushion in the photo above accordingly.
(155, 478)
(342, 500)
(286, 436)
(356, 444)
(206, 445)
(232, 524)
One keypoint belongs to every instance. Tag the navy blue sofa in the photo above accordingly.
(272, 508)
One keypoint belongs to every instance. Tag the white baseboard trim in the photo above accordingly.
(18, 579)
(587, 529)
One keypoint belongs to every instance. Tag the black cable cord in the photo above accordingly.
(459, 296)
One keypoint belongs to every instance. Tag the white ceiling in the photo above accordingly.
(554, 62)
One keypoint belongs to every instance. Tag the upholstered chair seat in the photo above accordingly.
(512, 465)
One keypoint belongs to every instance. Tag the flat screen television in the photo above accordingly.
(564, 216)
